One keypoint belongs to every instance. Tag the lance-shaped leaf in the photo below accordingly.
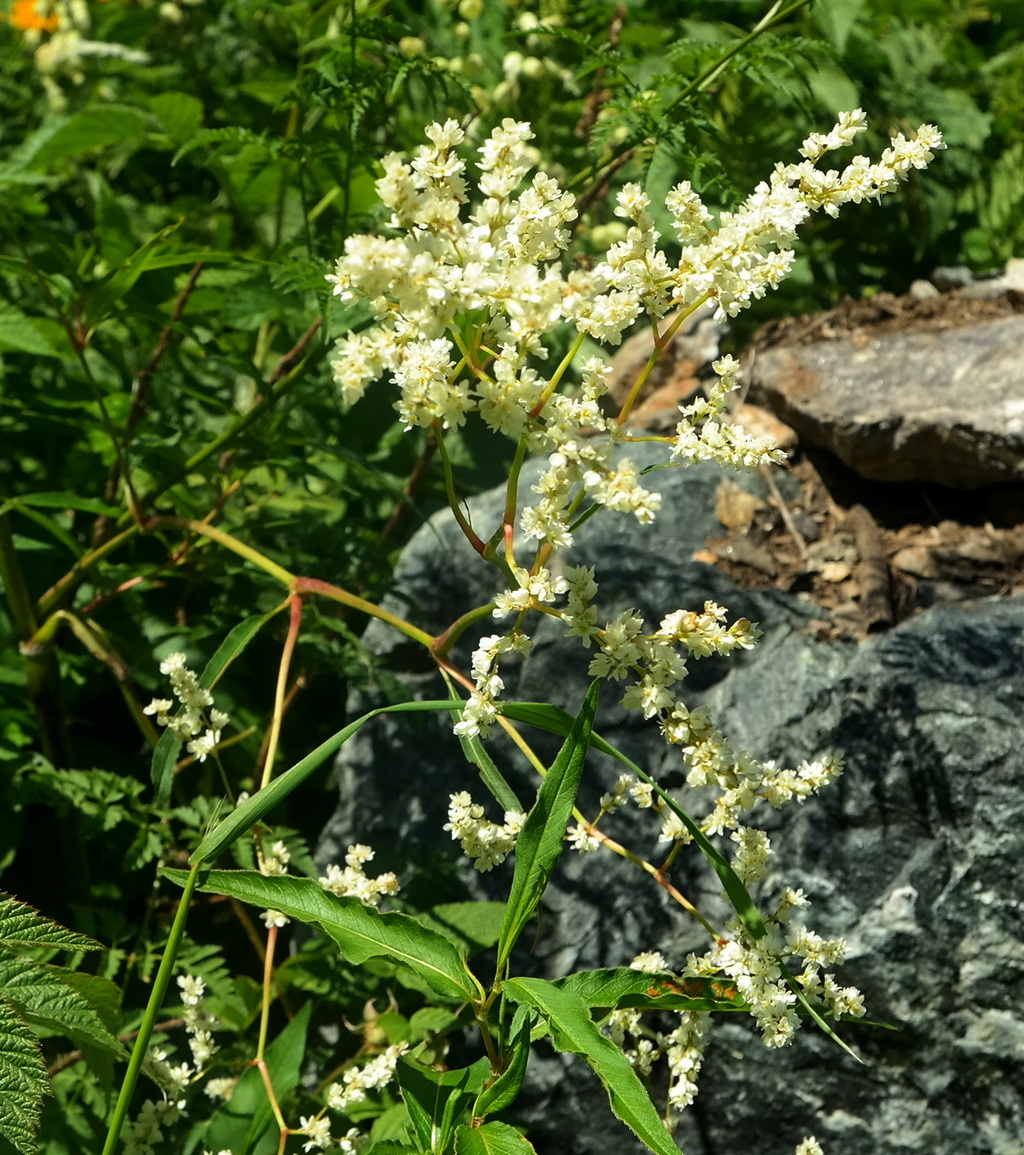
(492, 1139)
(165, 754)
(261, 803)
(476, 754)
(572, 1029)
(360, 931)
(539, 844)
(503, 1091)
(617, 988)
(556, 721)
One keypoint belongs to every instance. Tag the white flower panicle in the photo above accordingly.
(682, 1047)
(483, 841)
(143, 1134)
(356, 1081)
(351, 881)
(196, 722)
(500, 263)
(467, 292)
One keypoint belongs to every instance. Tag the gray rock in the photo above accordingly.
(946, 407)
(915, 854)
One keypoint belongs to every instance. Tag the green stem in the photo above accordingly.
(56, 593)
(453, 498)
(660, 342)
(557, 376)
(305, 585)
(163, 980)
(204, 529)
(444, 642)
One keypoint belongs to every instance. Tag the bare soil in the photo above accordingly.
(869, 554)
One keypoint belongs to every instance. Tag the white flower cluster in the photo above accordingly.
(352, 881)
(682, 1047)
(192, 724)
(143, 1134)
(317, 1129)
(754, 967)
(487, 843)
(356, 1081)
(463, 301)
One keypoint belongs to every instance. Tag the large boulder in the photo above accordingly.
(941, 406)
(915, 855)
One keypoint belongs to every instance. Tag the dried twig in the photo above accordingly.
(873, 571)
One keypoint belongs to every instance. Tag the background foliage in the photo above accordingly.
(164, 330)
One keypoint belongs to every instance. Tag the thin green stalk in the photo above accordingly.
(453, 499)
(156, 998)
(444, 642)
(204, 529)
(660, 341)
(49, 601)
(508, 519)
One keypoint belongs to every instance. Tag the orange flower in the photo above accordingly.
(25, 17)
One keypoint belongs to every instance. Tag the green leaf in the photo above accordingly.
(93, 127)
(616, 988)
(165, 754)
(179, 113)
(247, 1116)
(62, 501)
(573, 1030)
(547, 717)
(21, 925)
(44, 997)
(836, 19)
(540, 841)
(492, 1139)
(433, 1098)
(476, 755)
(360, 931)
(472, 926)
(23, 1082)
(261, 803)
(19, 334)
(161, 766)
(121, 280)
(232, 646)
(503, 1091)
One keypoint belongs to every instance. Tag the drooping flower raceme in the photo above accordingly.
(196, 722)
(467, 292)
(466, 299)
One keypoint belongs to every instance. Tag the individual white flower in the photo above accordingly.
(809, 1146)
(318, 1132)
(192, 989)
(583, 839)
(274, 918)
(651, 961)
(221, 1088)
